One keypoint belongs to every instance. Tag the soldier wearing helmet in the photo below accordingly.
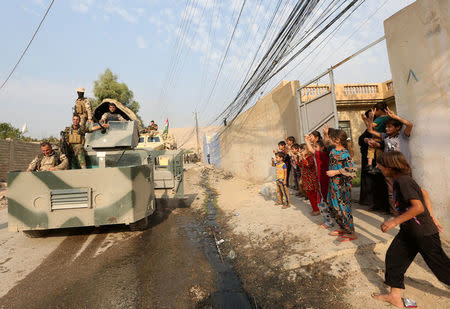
(74, 137)
(112, 115)
(83, 107)
(48, 160)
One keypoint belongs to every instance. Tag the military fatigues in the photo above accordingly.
(107, 117)
(75, 138)
(84, 110)
(44, 163)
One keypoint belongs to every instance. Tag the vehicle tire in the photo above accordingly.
(34, 233)
(140, 225)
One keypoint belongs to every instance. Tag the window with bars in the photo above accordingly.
(345, 125)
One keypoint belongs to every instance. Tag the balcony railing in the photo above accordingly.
(364, 89)
(350, 92)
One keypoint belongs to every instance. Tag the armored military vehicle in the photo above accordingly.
(156, 140)
(119, 185)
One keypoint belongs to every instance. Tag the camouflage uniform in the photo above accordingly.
(84, 110)
(75, 138)
(107, 117)
(44, 163)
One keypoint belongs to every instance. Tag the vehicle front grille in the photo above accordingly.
(70, 198)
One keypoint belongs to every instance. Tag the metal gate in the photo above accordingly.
(317, 105)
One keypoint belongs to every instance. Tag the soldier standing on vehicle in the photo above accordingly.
(74, 136)
(83, 107)
(48, 160)
(152, 126)
(112, 115)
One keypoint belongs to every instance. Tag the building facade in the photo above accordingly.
(352, 100)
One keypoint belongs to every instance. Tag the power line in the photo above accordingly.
(226, 51)
(271, 57)
(273, 61)
(29, 43)
(353, 33)
(268, 27)
(329, 37)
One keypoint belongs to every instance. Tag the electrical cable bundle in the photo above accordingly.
(300, 30)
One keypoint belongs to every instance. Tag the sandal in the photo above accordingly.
(345, 238)
(285, 206)
(336, 233)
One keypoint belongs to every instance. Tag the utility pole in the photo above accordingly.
(196, 132)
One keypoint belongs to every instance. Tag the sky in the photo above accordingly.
(169, 53)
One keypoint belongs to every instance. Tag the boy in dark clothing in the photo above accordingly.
(419, 230)
(396, 138)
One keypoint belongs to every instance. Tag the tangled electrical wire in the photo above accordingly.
(300, 30)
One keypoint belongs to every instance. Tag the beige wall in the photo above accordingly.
(16, 155)
(247, 146)
(417, 39)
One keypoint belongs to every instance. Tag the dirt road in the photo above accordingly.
(224, 246)
(173, 264)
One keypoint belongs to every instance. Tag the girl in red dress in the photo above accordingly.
(309, 178)
(315, 144)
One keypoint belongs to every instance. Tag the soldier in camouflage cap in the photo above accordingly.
(83, 107)
(74, 137)
(48, 160)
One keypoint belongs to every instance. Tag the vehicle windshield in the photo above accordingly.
(153, 139)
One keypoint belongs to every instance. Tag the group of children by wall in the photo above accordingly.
(324, 169)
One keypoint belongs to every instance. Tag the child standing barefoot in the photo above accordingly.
(419, 232)
(341, 171)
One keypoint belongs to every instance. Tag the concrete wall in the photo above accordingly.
(247, 146)
(16, 155)
(418, 45)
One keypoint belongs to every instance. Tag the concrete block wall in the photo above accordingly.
(418, 44)
(247, 146)
(16, 155)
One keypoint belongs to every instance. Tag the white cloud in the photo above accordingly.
(114, 7)
(167, 12)
(40, 3)
(108, 8)
(140, 11)
(141, 42)
(81, 5)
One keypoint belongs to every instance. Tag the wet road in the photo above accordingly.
(173, 264)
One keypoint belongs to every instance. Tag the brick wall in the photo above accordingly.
(16, 155)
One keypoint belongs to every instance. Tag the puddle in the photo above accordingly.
(229, 292)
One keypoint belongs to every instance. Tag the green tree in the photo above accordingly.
(8, 131)
(108, 87)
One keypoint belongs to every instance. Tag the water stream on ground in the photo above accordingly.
(229, 290)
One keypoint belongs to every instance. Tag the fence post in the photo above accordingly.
(333, 98)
